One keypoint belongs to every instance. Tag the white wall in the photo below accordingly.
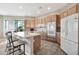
(1, 28)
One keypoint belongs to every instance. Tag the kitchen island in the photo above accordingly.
(32, 41)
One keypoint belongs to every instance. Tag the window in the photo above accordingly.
(13, 25)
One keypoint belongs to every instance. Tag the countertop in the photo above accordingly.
(26, 34)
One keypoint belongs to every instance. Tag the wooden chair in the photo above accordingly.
(12, 48)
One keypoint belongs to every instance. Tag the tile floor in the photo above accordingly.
(47, 48)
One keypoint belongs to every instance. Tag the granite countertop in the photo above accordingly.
(26, 34)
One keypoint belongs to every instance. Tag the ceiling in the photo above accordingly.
(30, 9)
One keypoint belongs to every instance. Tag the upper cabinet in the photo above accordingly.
(51, 18)
(29, 23)
(64, 14)
(72, 10)
(43, 21)
(77, 7)
(32, 23)
(37, 22)
(46, 20)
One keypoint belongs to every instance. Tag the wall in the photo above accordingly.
(1, 28)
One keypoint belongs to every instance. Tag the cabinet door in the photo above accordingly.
(49, 19)
(27, 22)
(65, 13)
(43, 21)
(62, 15)
(32, 23)
(58, 37)
(53, 18)
(72, 10)
(46, 21)
(77, 7)
(36, 44)
(36, 22)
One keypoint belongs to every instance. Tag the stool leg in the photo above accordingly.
(24, 49)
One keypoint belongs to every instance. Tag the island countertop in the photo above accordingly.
(26, 34)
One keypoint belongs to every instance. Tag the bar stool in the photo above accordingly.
(12, 48)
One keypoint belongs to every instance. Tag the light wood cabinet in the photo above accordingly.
(32, 23)
(43, 35)
(29, 23)
(77, 7)
(72, 10)
(49, 18)
(53, 18)
(37, 22)
(64, 14)
(36, 44)
(58, 37)
(46, 21)
(43, 21)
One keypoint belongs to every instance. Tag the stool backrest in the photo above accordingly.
(9, 38)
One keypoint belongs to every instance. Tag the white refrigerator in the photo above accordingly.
(69, 34)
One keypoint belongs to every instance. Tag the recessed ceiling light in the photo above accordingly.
(49, 8)
(21, 7)
(40, 7)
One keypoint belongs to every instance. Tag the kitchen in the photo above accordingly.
(53, 28)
